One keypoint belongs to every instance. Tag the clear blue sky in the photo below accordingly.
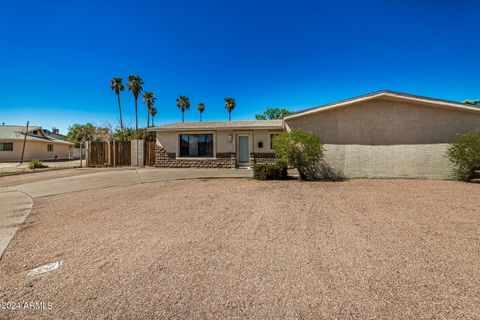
(57, 57)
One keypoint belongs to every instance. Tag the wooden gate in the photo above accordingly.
(108, 154)
(150, 153)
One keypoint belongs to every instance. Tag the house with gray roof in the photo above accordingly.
(384, 134)
(219, 144)
(38, 145)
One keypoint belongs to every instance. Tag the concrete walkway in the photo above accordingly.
(16, 201)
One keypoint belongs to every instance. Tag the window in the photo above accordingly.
(196, 145)
(271, 139)
(6, 146)
(49, 147)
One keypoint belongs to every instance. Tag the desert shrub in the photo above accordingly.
(270, 171)
(36, 164)
(299, 149)
(464, 153)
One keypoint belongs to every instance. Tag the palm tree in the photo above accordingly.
(149, 99)
(229, 105)
(201, 108)
(117, 86)
(183, 103)
(153, 112)
(135, 85)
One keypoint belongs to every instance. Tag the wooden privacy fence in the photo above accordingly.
(108, 154)
(149, 153)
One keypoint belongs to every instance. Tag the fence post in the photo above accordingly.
(137, 153)
(87, 149)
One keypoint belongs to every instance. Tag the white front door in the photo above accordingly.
(243, 150)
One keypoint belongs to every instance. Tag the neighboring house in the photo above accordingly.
(383, 134)
(224, 144)
(38, 145)
(55, 133)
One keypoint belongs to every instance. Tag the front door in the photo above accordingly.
(243, 151)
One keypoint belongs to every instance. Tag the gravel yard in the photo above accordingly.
(240, 248)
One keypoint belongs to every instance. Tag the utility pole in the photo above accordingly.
(24, 142)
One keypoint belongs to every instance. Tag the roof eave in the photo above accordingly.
(217, 128)
(456, 105)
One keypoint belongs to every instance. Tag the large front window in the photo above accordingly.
(196, 145)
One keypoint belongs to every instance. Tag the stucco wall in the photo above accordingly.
(388, 138)
(390, 161)
(34, 151)
(223, 144)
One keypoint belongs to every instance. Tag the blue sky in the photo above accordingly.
(59, 56)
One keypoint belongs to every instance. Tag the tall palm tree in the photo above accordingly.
(201, 108)
(153, 112)
(183, 103)
(229, 105)
(117, 86)
(149, 99)
(135, 85)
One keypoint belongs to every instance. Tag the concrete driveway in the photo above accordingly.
(17, 200)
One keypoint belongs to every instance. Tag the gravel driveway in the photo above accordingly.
(247, 249)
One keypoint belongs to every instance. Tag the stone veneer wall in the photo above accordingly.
(258, 157)
(163, 159)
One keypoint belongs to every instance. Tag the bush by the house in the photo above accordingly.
(464, 153)
(270, 171)
(36, 164)
(299, 149)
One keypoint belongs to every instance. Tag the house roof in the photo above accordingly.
(220, 125)
(10, 132)
(385, 93)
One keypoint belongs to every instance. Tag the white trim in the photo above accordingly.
(386, 94)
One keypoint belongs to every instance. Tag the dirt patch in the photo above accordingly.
(249, 249)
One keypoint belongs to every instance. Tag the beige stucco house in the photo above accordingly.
(222, 144)
(38, 145)
(383, 134)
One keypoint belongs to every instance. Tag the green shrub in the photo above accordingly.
(36, 164)
(270, 171)
(464, 153)
(299, 149)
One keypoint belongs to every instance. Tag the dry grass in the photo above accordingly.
(247, 249)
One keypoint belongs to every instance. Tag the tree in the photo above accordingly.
(272, 114)
(464, 153)
(153, 112)
(135, 85)
(79, 133)
(473, 102)
(129, 134)
(300, 149)
(183, 103)
(201, 108)
(149, 99)
(229, 105)
(117, 86)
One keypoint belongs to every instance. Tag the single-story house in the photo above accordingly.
(38, 146)
(378, 135)
(222, 144)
